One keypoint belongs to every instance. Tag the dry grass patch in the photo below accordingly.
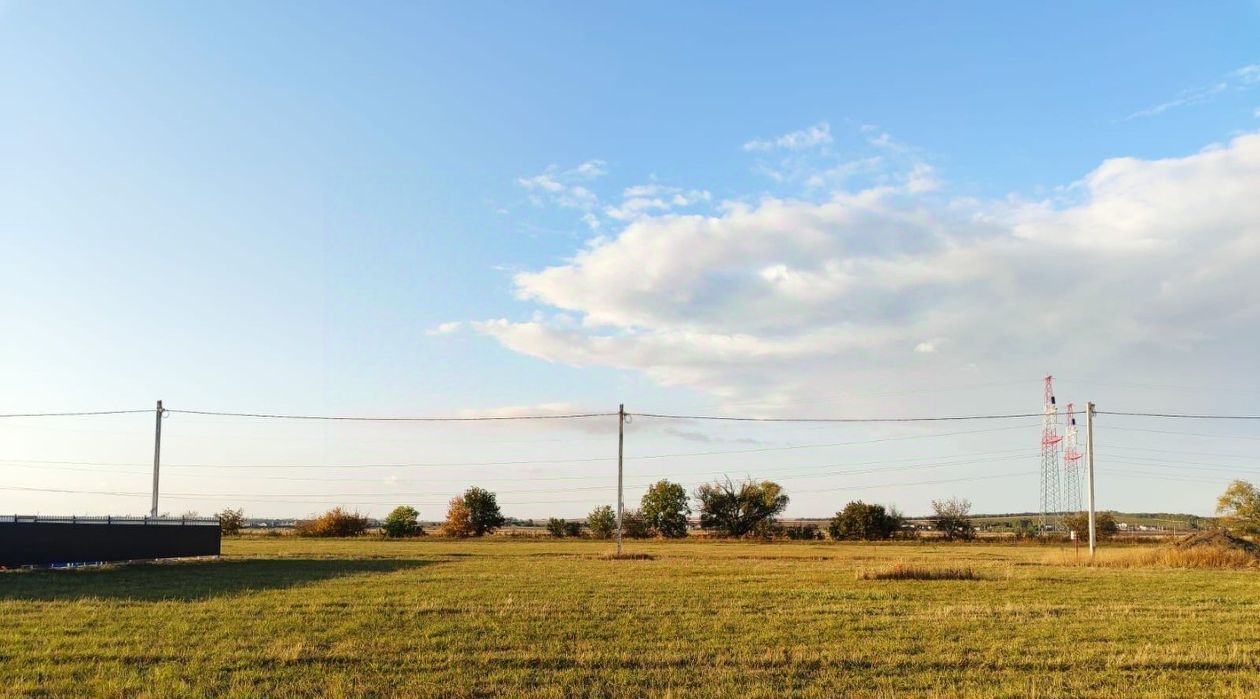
(905, 571)
(627, 557)
(1223, 558)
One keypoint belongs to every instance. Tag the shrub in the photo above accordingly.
(403, 521)
(860, 521)
(556, 527)
(740, 510)
(1240, 506)
(634, 525)
(573, 529)
(664, 506)
(1105, 525)
(231, 521)
(806, 532)
(333, 523)
(602, 522)
(953, 518)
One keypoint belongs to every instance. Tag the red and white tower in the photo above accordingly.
(1071, 463)
(1051, 480)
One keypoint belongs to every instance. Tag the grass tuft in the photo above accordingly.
(904, 571)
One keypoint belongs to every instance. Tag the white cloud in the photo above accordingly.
(1239, 79)
(564, 188)
(1152, 259)
(817, 135)
(448, 328)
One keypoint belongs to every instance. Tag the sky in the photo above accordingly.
(732, 209)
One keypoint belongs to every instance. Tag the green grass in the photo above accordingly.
(293, 617)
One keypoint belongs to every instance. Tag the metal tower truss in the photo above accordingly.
(1072, 471)
(1051, 469)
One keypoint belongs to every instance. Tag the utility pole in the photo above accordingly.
(1089, 455)
(621, 448)
(157, 456)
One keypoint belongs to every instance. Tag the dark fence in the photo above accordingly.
(50, 541)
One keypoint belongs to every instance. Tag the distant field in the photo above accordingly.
(300, 617)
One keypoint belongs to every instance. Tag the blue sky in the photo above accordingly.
(327, 208)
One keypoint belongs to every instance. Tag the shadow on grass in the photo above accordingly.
(189, 581)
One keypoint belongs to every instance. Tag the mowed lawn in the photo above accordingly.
(292, 617)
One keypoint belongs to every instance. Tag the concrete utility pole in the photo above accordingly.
(157, 456)
(1089, 455)
(621, 447)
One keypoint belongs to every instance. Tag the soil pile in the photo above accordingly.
(1218, 539)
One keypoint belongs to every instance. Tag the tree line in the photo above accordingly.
(747, 508)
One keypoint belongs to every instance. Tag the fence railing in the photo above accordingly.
(109, 519)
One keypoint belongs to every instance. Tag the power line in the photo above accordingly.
(77, 414)
(834, 419)
(480, 418)
(1178, 415)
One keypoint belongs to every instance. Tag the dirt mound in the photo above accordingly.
(1217, 539)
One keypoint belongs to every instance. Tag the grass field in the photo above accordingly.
(296, 617)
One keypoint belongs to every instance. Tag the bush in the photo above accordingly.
(862, 522)
(475, 513)
(573, 529)
(634, 525)
(953, 519)
(403, 521)
(740, 509)
(333, 523)
(231, 521)
(664, 506)
(806, 532)
(556, 527)
(1105, 525)
(602, 522)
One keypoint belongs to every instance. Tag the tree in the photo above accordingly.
(634, 525)
(602, 522)
(664, 506)
(484, 509)
(860, 521)
(953, 518)
(740, 509)
(403, 521)
(458, 519)
(556, 527)
(1240, 506)
(333, 523)
(1105, 525)
(231, 521)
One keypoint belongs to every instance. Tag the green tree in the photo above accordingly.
(602, 522)
(860, 521)
(1105, 525)
(403, 521)
(483, 511)
(1240, 506)
(665, 508)
(556, 527)
(231, 521)
(740, 509)
(953, 518)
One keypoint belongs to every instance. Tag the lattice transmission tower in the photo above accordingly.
(1072, 474)
(1051, 468)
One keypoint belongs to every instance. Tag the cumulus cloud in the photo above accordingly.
(785, 300)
